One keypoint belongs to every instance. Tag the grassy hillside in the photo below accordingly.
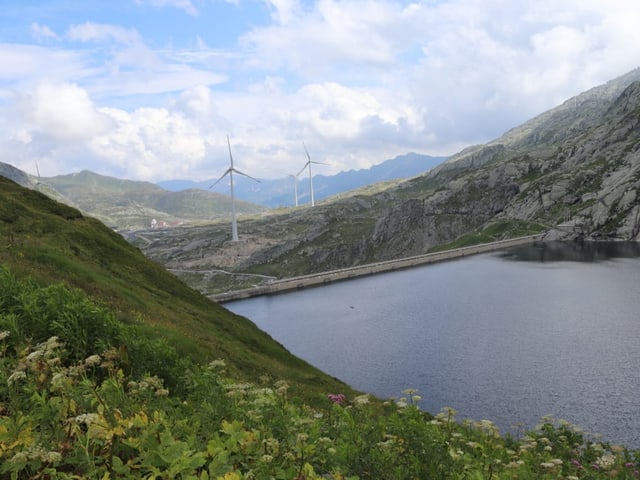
(132, 204)
(52, 242)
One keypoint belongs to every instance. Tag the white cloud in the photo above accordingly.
(325, 39)
(60, 113)
(185, 5)
(359, 81)
(283, 11)
(150, 143)
(89, 31)
(42, 32)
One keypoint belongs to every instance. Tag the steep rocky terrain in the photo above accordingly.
(573, 170)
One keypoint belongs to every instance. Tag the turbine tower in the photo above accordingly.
(230, 171)
(308, 164)
(295, 186)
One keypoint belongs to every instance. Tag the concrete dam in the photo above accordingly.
(316, 279)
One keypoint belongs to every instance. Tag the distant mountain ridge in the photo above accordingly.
(132, 204)
(128, 204)
(280, 192)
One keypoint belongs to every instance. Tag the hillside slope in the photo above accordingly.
(52, 243)
(125, 204)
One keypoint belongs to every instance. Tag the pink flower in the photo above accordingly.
(337, 398)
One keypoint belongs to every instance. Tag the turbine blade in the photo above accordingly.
(228, 170)
(305, 151)
(302, 169)
(230, 156)
(242, 173)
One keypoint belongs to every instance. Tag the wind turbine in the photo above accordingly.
(308, 164)
(230, 171)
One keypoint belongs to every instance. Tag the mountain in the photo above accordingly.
(280, 192)
(53, 243)
(126, 204)
(573, 172)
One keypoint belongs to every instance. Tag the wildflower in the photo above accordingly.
(281, 388)
(606, 461)
(20, 457)
(361, 399)
(93, 361)
(547, 465)
(15, 376)
(215, 364)
(266, 458)
(35, 356)
(88, 418)
(402, 403)
(162, 392)
(271, 445)
(4, 334)
(51, 457)
(337, 398)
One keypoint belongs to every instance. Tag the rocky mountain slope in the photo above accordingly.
(573, 170)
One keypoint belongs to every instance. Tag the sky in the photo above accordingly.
(150, 89)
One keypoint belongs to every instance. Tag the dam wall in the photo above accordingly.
(323, 278)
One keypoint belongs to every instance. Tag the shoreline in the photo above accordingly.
(324, 278)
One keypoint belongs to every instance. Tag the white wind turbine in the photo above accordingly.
(308, 164)
(295, 186)
(230, 171)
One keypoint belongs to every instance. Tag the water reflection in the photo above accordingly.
(573, 251)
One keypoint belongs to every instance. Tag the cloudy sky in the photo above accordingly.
(149, 89)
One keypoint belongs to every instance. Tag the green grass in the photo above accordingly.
(51, 242)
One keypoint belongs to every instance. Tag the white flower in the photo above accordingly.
(88, 418)
(215, 364)
(15, 376)
(93, 360)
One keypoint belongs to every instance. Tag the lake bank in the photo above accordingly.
(324, 278)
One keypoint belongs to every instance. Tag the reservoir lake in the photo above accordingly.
(509, 336)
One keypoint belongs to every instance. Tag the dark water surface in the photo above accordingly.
(510, 336)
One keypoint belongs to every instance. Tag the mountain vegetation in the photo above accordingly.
(112, 368)
(573, 171)
(127, 204)
(51, 242)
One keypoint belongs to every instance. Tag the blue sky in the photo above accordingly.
(149, 89)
